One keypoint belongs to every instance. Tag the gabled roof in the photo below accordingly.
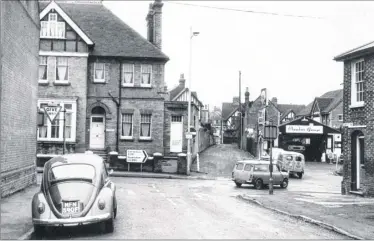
(285, 109)
(336, 97)
(174, 94)
(356, 52)
(111, 36)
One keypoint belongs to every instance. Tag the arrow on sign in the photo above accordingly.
(52, 112)
(136, 156)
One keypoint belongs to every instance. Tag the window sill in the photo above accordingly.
(61, 83)
(127, 85)
(357, 105)
(127, 138)
(144, 139)
(99, 82)
(145, 86)
(50, 37)
(56, 141)
(43, 82)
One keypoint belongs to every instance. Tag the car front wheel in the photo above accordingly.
(109, 224)
(284, 183)
(238, 184)
(258, 184)
(300, 174)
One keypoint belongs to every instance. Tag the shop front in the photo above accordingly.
(311, 138)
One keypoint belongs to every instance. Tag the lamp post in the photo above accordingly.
(192, 34)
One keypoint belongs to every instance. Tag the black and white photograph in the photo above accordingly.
(165, 119)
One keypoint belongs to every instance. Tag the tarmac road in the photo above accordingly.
(193, 209)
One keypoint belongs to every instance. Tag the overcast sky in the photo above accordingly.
(290, 56)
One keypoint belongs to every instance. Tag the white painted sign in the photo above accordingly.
(136, 156)
(188, 136)
(52, 112)
(349, 124)
(109, 130)
(304, 129)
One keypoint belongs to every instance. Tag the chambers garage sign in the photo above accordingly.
(311, 129)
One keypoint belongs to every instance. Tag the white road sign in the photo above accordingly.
(136, 156)
(52, 112)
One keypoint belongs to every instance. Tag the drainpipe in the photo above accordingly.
(119, 105)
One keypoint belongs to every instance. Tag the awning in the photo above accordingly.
(306, 126)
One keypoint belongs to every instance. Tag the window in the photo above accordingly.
(239, 166)
(43, 63)
(247, 167)
(71, 171)
(145, 126)
(126, 126)
(99, 72)
(62, 69)
(52, 28)
(128, 75)
(54, 131)
(176, 118)
(357, 95)
(146, 75)
(340, 117)
(261, 168)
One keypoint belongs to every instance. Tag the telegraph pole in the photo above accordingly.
(240, 111)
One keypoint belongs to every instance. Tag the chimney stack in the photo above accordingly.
(235, 100)
(182, 81)
(246, 95)
(274, 100)
(154, 23)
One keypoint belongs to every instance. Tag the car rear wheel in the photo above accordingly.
(258, 184)
(284, 183)
(238, 184)
(300, 174)
(38, 231)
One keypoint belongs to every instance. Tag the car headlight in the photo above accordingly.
(101, 204)
(41, 208)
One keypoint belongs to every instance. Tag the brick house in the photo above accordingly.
(176, 121)
(108, 77)
(358, 113)
(18, 94)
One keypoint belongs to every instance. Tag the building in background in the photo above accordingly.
(18, 94)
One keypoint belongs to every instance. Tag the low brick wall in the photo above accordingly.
(13, 180)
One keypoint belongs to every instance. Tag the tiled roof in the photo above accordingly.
(111, 36)
(336, 96)
(174, 92)
(287, 108)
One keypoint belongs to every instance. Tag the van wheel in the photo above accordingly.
(258, 184)
(238, 184)
(300, 174)
(284, 183)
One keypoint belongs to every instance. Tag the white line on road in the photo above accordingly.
(171, 202)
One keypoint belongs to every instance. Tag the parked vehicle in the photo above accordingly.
(75, 190)
(289, 161)
(257, 173)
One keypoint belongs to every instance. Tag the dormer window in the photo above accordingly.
(52, 28)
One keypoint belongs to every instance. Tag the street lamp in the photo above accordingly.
(192, 34)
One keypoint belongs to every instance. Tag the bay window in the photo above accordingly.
(145, 126)
(357, 84)
(54, 131)
(62, 69)
(127, 75)
(99, 72)
(146, 70)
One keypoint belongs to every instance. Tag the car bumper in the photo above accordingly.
(71, 221)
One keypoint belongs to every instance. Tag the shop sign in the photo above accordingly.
(311, 129)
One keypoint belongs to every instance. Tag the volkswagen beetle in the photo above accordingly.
(75, 190)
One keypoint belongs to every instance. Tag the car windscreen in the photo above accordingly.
(79, 172)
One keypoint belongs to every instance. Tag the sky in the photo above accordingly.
(290, 56)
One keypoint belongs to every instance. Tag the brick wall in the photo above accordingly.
(359, 116)
(136, 99)
(76, 89)
(19, 75)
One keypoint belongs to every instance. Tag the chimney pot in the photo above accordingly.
(182, 81)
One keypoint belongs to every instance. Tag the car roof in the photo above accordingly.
(76, 158)
(255, 162)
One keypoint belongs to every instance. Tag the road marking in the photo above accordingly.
(171, 202)
(131, 192)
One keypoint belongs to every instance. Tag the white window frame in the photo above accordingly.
(123, 75)
(57, 25)
(141, 76)
(43, 80)
(132, 126)
(354, 102)
(94, 74)
(339, 118)
(150, 128)
(68, 69)
(60, 117)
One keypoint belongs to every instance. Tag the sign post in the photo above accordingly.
(271, 133)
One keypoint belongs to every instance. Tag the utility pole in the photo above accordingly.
(240, 111)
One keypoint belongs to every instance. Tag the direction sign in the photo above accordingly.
(188, 136)
(136, 156)
(52, 112)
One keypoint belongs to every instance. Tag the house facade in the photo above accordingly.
(18, 94)
(358, 116)
(107, 78)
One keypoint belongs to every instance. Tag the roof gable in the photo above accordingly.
(335, 95)
(73, 25)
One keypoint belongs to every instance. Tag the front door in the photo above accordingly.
(359, 158)
(176, 134)
(97, 132)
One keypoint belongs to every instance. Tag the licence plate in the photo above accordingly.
(70, 207)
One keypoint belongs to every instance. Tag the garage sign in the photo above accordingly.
(311, 129)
